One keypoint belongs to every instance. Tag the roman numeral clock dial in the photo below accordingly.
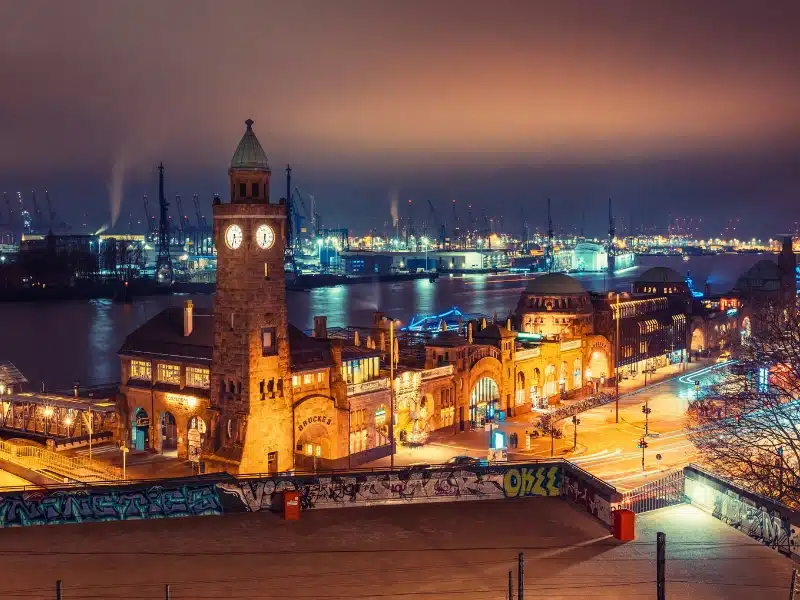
(233, 236)
(265, 237)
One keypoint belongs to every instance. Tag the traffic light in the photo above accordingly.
(642, 443)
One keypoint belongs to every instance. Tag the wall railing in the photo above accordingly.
(74, 468)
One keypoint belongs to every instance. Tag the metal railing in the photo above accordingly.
(37, 458)
(666, 491)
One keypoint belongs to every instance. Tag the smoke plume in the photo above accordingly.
(393, 200)
(115, 188)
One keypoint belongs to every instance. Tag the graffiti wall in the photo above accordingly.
(104, 504)
(590, 494)
(469, 483)
(772, 524)
(219, 495)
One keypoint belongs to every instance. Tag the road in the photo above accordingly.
(606, 449)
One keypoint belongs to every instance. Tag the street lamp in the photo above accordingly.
(575, 422)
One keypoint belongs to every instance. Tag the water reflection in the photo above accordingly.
(59, 343)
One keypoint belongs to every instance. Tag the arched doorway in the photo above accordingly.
(563, 377)
(314, 445)
(598, 366)
(140, 430)
(196, 437)
(484, 393)
(536, 391)
(169, 434)
(519, 394)
(549, 381)
(698, 340)
(577, 374)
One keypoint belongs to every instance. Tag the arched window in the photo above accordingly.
(577, 375)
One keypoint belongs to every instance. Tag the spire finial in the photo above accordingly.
(249, 123)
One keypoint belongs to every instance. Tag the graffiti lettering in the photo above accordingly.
(762, 523)
(586, 496)
(90, 506)
(532, 481)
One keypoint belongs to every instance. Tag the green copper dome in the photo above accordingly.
(249, 153)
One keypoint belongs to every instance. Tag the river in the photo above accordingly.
(60, 343)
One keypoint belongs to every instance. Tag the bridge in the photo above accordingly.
(57, 421)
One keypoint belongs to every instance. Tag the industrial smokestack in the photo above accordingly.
(321, 327)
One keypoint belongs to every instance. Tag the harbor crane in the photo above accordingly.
(37, 213)
(151, 221)
(201, 220)
(439, 225)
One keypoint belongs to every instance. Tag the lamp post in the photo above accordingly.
(616, 366)
(391, 392)
(125, 451)
(575, 422)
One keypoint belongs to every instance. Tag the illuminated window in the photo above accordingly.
(295, 381)
(140, 369)
(167, 373)
(268, 342)
(308, 378)
(380, 416)
(197, 377)
(320, 377)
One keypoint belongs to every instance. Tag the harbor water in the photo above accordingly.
(59, 343)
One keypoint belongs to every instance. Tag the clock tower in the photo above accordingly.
(250, 380)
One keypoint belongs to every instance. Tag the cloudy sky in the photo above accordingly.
(671, 108)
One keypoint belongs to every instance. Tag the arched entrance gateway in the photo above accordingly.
(196, 437)
(483, 396)
(698, 339)
(140, 430)
(598, 366)
(169, 434)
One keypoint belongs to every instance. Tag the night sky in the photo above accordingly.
(677, 107)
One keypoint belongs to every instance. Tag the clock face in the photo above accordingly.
(265, 237)
(233, 236)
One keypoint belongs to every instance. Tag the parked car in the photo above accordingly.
(724, 356)
(463, 460)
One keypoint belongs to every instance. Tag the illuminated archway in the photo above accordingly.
(577, 374)
(598, 366)
(519, 394)
(698, 340)
(550, 381)
(169, 434)
(563, 376)
(140, 430)
(484, 393)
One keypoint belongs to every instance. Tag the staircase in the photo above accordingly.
(666, 491)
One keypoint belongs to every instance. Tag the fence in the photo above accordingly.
(667, 491)
(78, 468)
(573, 409)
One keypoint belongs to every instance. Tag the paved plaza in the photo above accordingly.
(443, 550)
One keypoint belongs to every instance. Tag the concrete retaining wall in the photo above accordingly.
(769, 522)
(217, 495)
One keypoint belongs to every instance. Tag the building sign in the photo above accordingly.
(573, 345)
(186, 402)
(314, 419)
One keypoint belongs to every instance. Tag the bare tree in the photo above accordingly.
(746, 423)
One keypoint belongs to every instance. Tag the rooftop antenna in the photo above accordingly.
(612, 231)
(549, 256)
(164, 260)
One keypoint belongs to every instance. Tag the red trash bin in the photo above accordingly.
(291, 505)
(624, 525)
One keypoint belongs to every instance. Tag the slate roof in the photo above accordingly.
(249, 154)
(162, 337)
